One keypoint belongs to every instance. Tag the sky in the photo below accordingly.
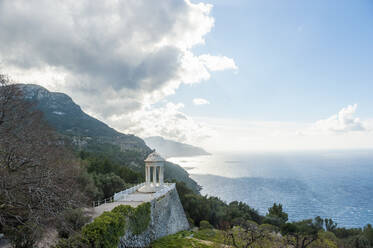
(227, 75)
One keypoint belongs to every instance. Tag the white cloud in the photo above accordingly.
(343, 122)
(192, 69)
(217, 63)
(167, 121)
(200, 101)
(114, 58)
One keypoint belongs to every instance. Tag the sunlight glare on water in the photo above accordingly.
(331, 184)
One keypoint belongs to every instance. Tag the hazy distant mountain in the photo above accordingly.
(169, 148)
(68, 118)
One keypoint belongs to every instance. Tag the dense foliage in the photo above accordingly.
(105, 231)
(103, 177)
(138, 218)
(276, 216)
(214, 210)
(251, 235)
(245, 227)
(128, 158)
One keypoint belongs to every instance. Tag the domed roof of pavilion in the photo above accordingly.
(154, 157)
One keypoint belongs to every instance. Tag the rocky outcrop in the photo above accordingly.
(167, 217)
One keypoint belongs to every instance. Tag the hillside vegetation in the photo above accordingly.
(64, 115)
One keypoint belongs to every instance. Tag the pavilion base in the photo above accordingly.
(151, 188)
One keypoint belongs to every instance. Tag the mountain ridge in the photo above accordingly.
(61, 112)
(169, 148)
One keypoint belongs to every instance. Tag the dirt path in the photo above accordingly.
(210, 243)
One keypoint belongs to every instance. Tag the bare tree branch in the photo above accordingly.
(38, 176)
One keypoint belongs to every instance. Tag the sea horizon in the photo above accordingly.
(332, 184)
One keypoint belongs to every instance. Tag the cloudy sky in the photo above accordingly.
(228, 75)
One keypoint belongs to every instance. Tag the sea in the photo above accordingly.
(329, 184)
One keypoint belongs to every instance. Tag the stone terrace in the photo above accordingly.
(131, 197)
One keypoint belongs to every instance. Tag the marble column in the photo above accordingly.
(147, 174)
(154, 175)
(161, 169)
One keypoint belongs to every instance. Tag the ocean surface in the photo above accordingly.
(330, 184)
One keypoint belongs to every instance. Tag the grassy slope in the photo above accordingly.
(186, 239)
(196, 238)
(213, 238)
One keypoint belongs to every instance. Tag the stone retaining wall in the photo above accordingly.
(167, 217)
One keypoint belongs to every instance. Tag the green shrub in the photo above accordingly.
(325, 240)
(204, 224)
(109, 183)
(124, 210)
(276, 215)
(359, 241)
(327, 235)
(105, 231)
(140, 219)
(88, 186)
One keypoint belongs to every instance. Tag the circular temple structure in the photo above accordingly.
(154, 165)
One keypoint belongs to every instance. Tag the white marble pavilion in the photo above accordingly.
(154, 173)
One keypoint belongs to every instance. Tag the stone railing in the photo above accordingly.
(122, 194)
(163, 191)
(104, 201)
(126, 196)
